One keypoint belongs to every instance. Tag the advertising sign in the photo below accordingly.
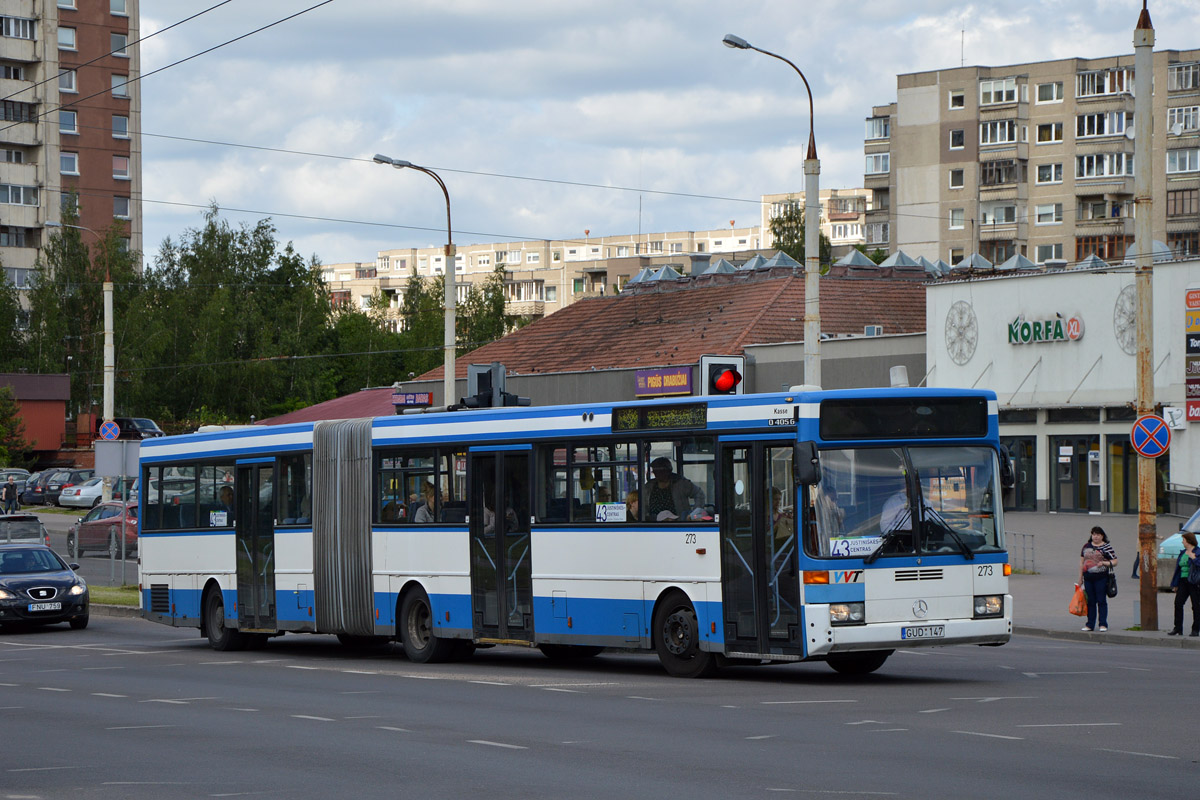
(412, 399)
(662, 382)
(1191, 358)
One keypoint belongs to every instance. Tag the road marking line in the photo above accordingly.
(219, 663)
(1040, 674)
(1139, 669)
(994, 699)
(52, 689)
(991, 735)
(801, 702)
(137, 727)
(1133, 753)
(867, 722)
(655, 699)
(10, 684)
(721, 706)
(568, 691)
(1071, 725)
(359, 672)
(40, 769)
(545, 685)
(497, 744)
(232, 708)
(309, 716)
(831, 791)
(178, 701)
(757, 738)
(11, 708)
(390, 728)
(107, 694)
(490, 683)
(932, 710)
(888, 730)
(297, 666)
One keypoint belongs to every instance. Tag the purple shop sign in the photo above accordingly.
(660, 382)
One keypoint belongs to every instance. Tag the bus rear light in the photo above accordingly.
(817, 576)
(1007, 570)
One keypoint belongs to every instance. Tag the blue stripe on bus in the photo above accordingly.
(492, 448)
(836, 593)
(281, 449)
(263, 460)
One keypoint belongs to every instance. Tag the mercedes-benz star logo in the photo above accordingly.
(920, 609)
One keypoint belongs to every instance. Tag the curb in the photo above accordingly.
(105, 610)
(1159, 639)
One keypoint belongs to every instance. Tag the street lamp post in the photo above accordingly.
(812, 219)
(448, 393)
(109, 349)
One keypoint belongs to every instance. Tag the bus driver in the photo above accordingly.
(668, 494)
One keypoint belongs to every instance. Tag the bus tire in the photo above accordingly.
(569, 652)
(858, 663)
(421, 644)
(463, 649)
(219, 636)
(676, 635)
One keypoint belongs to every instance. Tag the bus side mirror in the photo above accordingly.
(806, 464)
(1007, 477)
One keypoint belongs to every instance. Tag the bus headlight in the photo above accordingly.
(847, 613)
(989, 605)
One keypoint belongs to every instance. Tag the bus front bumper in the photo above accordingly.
(824, 638)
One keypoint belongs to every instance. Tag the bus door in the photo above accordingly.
(501, 572)
(759, 563)
(254, 533)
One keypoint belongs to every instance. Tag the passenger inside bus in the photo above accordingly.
(670, 496)
(631, 507)
(424, 513)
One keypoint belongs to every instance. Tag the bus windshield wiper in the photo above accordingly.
(883, 540)
(931, 517)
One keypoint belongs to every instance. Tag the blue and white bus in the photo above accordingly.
(812, 525)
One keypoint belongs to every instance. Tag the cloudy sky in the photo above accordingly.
(516, 104)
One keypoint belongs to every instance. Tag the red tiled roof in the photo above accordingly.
(667, 324)
(676, 322)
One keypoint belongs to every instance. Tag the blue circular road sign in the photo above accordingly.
(1150, 436)
(109, 431)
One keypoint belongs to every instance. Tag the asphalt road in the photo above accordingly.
(131, 709)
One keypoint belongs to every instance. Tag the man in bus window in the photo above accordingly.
(668, 494)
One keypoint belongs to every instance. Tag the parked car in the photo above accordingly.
(1170, 548)
(35, 487)
(63, 480)
(105, 527)
(89, 493)
(37, 587)
(22, 528)
(136, 428)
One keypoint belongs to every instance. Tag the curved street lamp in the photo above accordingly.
(448, 393)
(812, 220)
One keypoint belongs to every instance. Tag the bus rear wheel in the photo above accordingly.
(858, 663)
(219, 636)
(677, 639)
(421, 644)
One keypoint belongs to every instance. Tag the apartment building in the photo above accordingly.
(1035, 159)
(71, 112)
(543, 276)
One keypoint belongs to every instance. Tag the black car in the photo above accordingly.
(138, 428)
(61, 480)
(37, 587)
(35, 487)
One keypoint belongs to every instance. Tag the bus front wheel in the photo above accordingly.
(219, 636)
(421, 644)
(677, 639)
(858, 663)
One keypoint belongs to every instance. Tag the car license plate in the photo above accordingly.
(45, 606)
(924, 632)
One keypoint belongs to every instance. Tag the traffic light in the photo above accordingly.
(485, 388)
(722, 374)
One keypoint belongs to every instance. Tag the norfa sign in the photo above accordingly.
(1040, 331)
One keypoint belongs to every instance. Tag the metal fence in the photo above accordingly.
(1182, 500)
(1020, 551)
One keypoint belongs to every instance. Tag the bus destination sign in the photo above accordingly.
(655, 418)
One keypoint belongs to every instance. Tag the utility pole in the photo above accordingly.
(1143, 266)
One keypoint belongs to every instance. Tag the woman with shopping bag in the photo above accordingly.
(1096, 560)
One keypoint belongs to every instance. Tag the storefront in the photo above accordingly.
(1059, 349)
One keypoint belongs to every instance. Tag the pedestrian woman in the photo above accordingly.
(1184, 588)
(1096, 560)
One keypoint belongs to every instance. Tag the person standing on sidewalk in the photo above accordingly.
(1184, 588)
(1096, 560)
(8, 494)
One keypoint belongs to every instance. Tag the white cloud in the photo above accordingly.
(617, 93)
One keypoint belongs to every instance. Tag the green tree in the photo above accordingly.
(481, 317)
(13, 447)
(423, 321)
(878, 255)
(787, 233)
(13, 320)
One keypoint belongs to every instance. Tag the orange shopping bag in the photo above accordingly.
(1078, 605)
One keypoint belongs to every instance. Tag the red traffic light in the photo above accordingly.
(726, 380)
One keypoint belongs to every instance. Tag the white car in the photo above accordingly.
(88, 494)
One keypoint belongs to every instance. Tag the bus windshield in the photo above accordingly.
(868, 498)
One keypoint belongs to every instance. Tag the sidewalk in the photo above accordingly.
(1040, 600)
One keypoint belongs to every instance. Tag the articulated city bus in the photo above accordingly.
(834, 526)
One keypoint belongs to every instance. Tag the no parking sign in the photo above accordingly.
(1150, 436)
